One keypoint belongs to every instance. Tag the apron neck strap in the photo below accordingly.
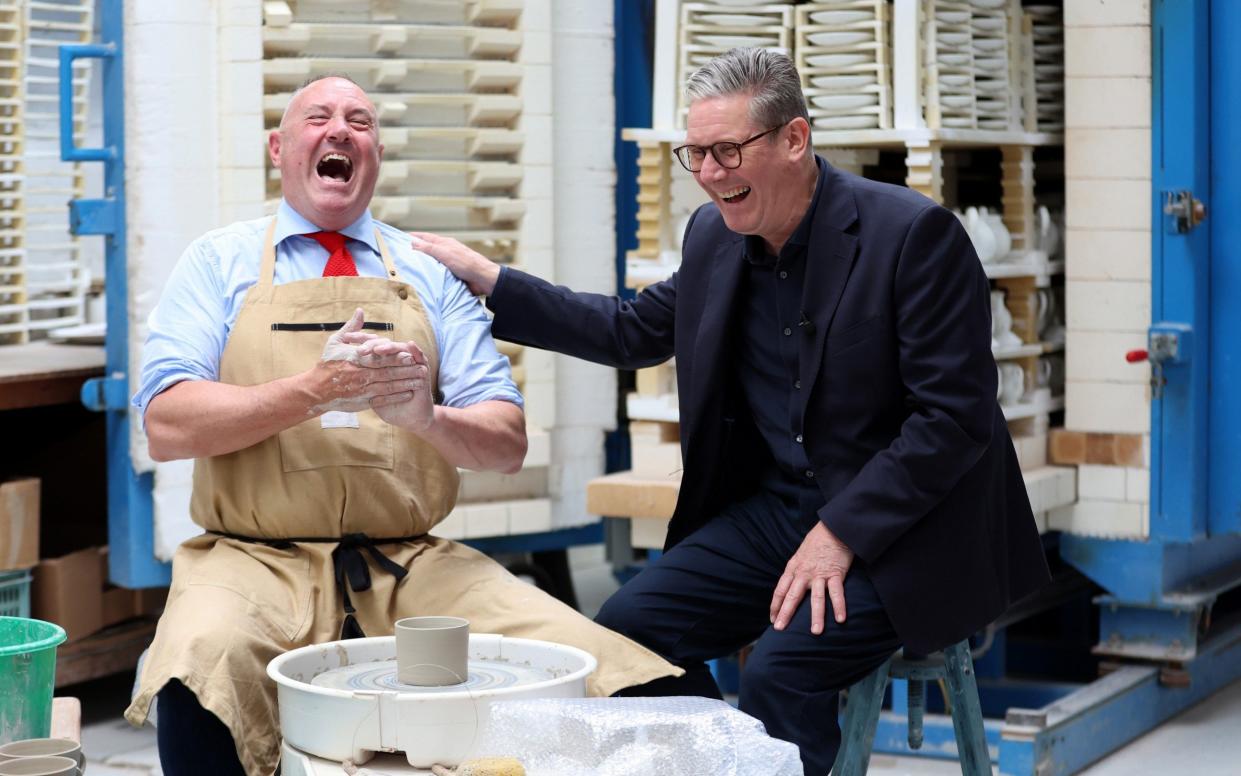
(267, 266)
(389, 265)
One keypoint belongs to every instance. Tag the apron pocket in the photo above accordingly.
(333, 439)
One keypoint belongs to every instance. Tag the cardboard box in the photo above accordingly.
(19, 524)
(72, 591)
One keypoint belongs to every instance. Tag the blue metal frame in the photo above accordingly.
(1224, 515)
(1180, 274)
(1068, 735)
(131, 560)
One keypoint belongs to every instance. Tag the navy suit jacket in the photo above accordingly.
(902, 428)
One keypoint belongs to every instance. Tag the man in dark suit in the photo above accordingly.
(844, 451)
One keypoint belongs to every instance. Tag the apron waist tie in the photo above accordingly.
(348, 563)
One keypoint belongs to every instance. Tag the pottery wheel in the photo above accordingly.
(484, 675)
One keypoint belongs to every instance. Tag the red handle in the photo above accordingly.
(1134, 356)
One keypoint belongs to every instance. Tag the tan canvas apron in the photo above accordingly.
(234, 605)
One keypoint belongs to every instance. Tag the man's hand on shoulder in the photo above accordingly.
(477, 271)
(820, 565)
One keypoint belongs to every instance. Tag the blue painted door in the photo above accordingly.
(1224, 223)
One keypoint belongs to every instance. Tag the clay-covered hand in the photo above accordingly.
(341, 381)
(413, 410)
(478, 272)
(820, 565)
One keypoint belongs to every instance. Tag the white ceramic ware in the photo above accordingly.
(840, 38)
(1013, 382)
(43, 747)
(841, 17)
(431, 651)
(844, 101)
(731, 41)
(850, 81)
(1003, 239)
(733, 19)
(1047, 238)
(846, 122)
(838, 60)
(952, 17)
(983, 239)
(40, 766)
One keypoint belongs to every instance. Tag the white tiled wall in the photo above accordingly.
(1108, 271)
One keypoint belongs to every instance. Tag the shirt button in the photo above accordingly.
(403, 294)
(797, 384)
(799, 439)
(787, 331)
(783, 274)
(810, 473)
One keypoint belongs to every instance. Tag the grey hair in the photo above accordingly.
(316, 78)
(768, 77)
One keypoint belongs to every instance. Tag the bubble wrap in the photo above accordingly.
(635, 737)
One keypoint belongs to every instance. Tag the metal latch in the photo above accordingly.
(1184, 211)
(1167, 343)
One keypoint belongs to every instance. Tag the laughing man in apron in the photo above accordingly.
(329, 380)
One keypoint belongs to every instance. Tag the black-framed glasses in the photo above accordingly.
(727, 154)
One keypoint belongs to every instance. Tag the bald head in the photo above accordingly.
(328, 152)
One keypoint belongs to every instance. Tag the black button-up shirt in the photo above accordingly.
(769, 333)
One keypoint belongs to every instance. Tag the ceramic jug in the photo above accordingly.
(1047, 238)
(1003, 239)
(980, 235)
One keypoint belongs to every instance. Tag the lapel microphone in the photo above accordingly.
(806, 325)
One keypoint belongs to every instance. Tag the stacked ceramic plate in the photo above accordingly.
(13, 317)
(57, 276)
(1048, 26)
(843, 51)
(709, 29)
(948, 65)
(994, 92)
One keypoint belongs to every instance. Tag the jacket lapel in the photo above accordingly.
(829, 259)
(710, 342)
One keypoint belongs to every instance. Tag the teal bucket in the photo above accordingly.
(27, 677)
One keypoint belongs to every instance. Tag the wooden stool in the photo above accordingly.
(956, 668)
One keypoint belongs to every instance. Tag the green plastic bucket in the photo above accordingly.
(27, 677)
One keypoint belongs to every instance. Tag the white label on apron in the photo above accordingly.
(339, 419)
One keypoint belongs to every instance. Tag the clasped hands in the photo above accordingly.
(360, 370)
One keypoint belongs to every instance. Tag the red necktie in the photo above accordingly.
(340, 260)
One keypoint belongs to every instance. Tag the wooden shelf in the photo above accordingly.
(108, 652)
(1031, 409)
(41, 373)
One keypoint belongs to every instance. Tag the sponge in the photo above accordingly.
(484, 766)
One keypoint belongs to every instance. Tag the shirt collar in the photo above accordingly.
(289, 222)
(756, 250)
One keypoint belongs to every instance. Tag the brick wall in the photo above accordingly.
(1108, 272)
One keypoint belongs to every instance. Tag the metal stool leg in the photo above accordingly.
(861, 718)
(966, 711)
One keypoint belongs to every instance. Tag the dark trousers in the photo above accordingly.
(192, 741)
(709, 596)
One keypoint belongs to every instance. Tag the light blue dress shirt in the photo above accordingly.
(195, 315)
